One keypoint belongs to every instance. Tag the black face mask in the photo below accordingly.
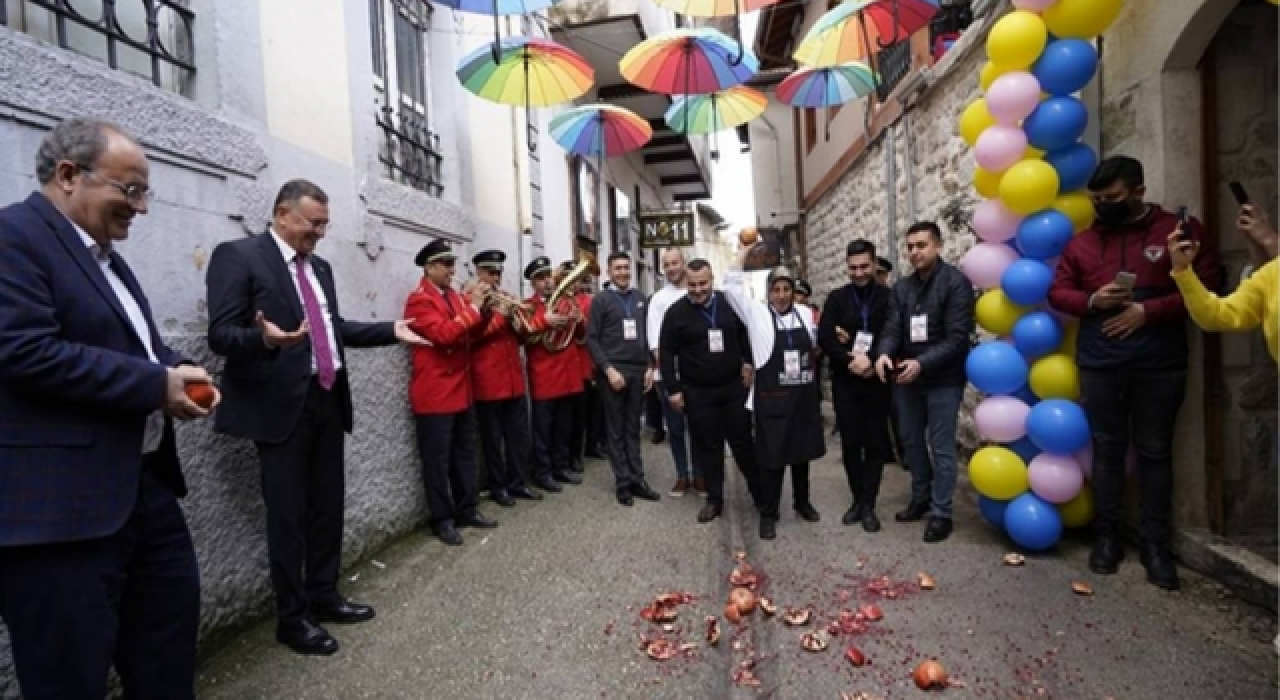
(1113, 214)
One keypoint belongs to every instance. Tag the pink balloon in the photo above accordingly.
(993, 221)
(1033, 5)
(1001, 418)
(1013, 97)
(986, 262)
(1000, 147)
(1055, 478)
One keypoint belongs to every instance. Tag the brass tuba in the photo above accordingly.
(562, 302)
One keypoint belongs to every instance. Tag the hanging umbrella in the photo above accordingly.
(856, 29)
(704, 114)
(713, 8)
(688, 62)
(827, 87)
(497, 7)
(528, 73)
(600, 130)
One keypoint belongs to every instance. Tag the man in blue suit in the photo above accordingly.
(96, 563)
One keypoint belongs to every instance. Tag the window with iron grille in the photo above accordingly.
(894, 63)
(148, 38)
(410, 150)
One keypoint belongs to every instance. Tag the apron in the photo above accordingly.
(788, 402)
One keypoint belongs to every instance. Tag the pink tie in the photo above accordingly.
(319, 336)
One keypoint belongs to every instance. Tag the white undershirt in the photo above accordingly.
(659, 304)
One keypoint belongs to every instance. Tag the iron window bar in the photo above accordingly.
(411, 151)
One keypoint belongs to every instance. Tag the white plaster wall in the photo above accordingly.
(773, 164)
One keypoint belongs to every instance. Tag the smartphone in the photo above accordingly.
(1126, 279)
(1237, 190)
(1182, 221)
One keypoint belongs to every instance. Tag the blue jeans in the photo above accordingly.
(930, 413)
(675, 435)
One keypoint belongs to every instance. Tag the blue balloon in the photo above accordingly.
(1044, 234)
(1037, 334)
(1075, 165)
(995, 367)
(1026, 281)
(1066, 66)
(1057, 123)
(1058, 426)
(1023, 447)
(992, 511)
(1032, 522)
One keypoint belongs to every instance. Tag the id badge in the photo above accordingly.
(629, 329)
(862, 343)
(791, 364)
(715, 339)
(920, 328)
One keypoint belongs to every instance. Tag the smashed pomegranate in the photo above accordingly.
(731, 614)
(872, 612)
(661, 650)
(713, 630)
(855, 656)
(744, 599)
(813, 641)
(767, 606)
(926, 581)
(795, 618)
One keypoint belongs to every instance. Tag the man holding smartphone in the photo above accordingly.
(1132, 354)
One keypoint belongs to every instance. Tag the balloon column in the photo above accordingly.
(1031, 168)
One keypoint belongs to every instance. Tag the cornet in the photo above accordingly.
(519, 313)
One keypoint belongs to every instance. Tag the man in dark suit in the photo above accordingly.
(96, 563)
(288, 392)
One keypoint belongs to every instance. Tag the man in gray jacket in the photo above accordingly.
(922, 349)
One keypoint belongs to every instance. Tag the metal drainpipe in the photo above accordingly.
(516, 153)
(908, 157)
(891, 189)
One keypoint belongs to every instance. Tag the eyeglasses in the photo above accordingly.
(135, 194)
(317, 226)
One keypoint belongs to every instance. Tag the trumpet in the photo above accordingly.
(518, 312)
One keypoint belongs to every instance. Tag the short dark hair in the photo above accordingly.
(698, 265)
(293, 191)
(884, 264)
(1117, 169)
(618, 255)
(929, 226)
(860, 247)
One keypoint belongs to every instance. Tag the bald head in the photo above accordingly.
(673, 266)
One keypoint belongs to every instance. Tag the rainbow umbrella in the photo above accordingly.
(836, 38)
(601, 130)
(526, 73)
(713, 8)
(826, 87)
(497, 7)
(704, 114)
(688, 62)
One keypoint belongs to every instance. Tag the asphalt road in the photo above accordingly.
(547, 606)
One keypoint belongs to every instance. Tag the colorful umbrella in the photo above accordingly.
(601, 130)
(836, 38)
(688, 62)
(704, 114)
(713, 8)
(497, 7)
(826, 87)
(527, 73)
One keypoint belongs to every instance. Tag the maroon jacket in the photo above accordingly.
(1092, 259)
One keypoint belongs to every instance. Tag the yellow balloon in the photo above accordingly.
(990, 72)
(974, 120)
(1078, 512)
(1055, 377)
(986, 182)
(1078, 207)
(1081, 19)
(1033, 153)
(996, 313)
(1017, 40)
(1029, 186)
(998, 473)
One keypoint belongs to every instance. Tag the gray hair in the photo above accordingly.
(79, 140)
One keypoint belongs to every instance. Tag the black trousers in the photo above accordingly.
(716, 415)
(504, 439)
(862, 417)
(770, 486)
(447, 447)
(552, 430)
(131, 598)
(1142, 408)
(654, 418)
(588, 423)
(622, 424)
(303, 484)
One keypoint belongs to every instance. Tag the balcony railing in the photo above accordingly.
(893, 64)
(410, 150)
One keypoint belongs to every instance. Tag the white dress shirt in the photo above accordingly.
(762, 324)
(154, 430)
(659, 303)
(290, 255)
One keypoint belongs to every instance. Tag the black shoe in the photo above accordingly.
(937, 530)
(709, 512)
(576, 466)
(594, 454)
(914, 512)
(853, 515)
(624, 497)
(476, 520)
(525, 493)
(448, 534)
(768, 529)
(1161, 571)
(307, 638)
(642, 490)
(659, 436)
(565, 477)
(870, 522)
(547, 485)
(807, 512)
(343, 613)
(1106, 555)
(502, 499)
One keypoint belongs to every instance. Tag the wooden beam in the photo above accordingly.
(691, 179)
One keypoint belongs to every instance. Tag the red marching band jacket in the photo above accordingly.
(441, 379)
(497, 374)
(552, 375)
(588, 367)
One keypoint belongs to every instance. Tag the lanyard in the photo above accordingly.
(777, 320)
(864, 309)
(626, 302)
(711, 317)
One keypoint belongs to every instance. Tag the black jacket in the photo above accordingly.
(686, 344)
(841, 309)
(946, 297)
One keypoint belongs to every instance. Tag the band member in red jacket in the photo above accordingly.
(555, 380)
(579, 447)
(440, 390)
(588, 447)
(497, 376)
